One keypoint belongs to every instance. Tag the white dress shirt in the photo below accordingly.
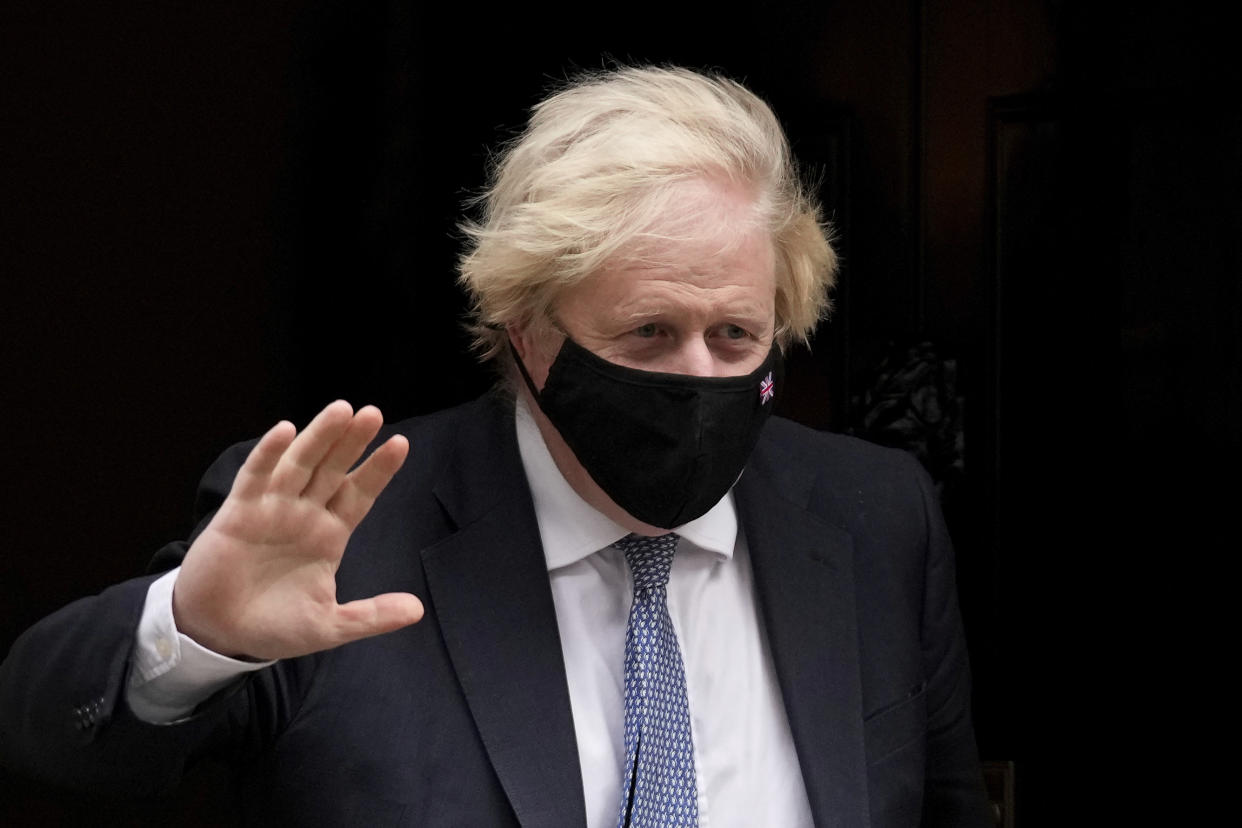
(746, 767)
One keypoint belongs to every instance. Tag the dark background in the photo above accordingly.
(219, 215)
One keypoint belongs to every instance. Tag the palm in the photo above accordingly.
(260, 580)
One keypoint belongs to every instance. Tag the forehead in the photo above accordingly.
(705, 242)
(684, 291)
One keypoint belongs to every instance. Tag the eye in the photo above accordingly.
(734, 332)
(645, 331)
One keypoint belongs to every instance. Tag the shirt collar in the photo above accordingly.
(571, 529)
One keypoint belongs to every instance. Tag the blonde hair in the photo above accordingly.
(594, 171)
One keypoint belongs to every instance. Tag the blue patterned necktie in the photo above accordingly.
(658, 789)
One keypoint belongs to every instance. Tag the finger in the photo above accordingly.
(252, 477)
(307, 449)
(374, 616)
(353, 500)
(344, 453)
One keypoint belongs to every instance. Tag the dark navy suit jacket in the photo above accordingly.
(464, 718)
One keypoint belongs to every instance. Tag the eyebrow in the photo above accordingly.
(749, 314)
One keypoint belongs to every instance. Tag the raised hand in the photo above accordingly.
(260, 580)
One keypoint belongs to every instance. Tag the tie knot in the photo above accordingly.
(649, 559)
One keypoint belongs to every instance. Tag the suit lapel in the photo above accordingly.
(490, 593)
(804, 581)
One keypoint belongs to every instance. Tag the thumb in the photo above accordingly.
(374, 616)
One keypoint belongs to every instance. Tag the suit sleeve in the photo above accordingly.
(63, 714)
(954, 794)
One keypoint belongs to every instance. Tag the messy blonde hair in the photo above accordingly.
(593, 173)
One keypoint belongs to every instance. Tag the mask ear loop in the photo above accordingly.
(522, 369)
(556, 326)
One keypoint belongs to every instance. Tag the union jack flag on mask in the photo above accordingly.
(767, 390)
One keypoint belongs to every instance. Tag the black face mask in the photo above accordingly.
(664, 447)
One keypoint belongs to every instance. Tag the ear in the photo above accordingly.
(520, 337)
(535, 353)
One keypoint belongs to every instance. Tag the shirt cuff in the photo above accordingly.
(171, 673)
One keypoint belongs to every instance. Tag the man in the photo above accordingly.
(641, 601)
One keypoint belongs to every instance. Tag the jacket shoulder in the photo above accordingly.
(866, 489)
(482, 413)
(850, 459)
